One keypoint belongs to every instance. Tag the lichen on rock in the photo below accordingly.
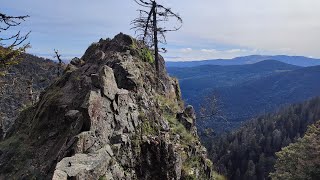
(108, 117)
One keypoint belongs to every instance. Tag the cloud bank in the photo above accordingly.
(212, 28)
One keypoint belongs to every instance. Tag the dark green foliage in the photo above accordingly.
(300, 160)
(249, 153)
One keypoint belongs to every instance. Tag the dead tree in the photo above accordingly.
(7, 22)
(12, 46)
(30, 90)
(148, 25)
(58, 56)
(210, 108)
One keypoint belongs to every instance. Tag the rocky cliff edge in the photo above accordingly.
(108, 117)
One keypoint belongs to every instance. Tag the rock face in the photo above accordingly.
(108, 117)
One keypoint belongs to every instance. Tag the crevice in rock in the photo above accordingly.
(86, 125)
(122, 78)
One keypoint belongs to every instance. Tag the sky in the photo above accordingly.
(211, 29)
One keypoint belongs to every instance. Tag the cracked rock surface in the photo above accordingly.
(108, 117)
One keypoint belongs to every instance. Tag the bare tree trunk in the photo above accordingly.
(59, 67)
(148, 24)
(30, 90)
(155, 31)
(60, 62)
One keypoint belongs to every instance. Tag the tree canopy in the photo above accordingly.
(250, 151)
(300, 160)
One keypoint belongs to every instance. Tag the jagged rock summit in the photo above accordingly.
(108, 117)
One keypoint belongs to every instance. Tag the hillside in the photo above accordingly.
(195, 81)
(300, 160)
(294, 60)
(249, 152)
(14, 86)
(109, 117)
(246, 91)
(248, 99)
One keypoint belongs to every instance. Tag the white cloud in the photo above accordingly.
(186, 50)
(204, 54)
(236, 50)
(270, 26)
(266, 25)
(209, 50)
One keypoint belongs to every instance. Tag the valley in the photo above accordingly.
(159, 90)
(247, 91)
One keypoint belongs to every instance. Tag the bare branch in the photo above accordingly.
(17, 39)
(143, 3)
(10, 21)
(148, 29)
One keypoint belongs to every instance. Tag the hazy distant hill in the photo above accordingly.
(195, 81)
(244, 100)
(294, 60)
(248, 90)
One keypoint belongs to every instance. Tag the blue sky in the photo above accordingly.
(212, 28)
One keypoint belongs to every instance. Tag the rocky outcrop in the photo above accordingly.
(187, 118)
(108, 117)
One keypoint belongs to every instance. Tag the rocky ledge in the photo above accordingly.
(108, 117)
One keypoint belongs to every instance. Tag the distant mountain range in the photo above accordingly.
(294, 60)
(198, 81)
(246, 91)
(210, 76)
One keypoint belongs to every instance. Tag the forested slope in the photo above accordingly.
(300, 160)
(249, 152)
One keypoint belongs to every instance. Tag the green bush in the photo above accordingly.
(146, 55)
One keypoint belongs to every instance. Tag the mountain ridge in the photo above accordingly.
(294, 60)
(271, 92)
(245, 91)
